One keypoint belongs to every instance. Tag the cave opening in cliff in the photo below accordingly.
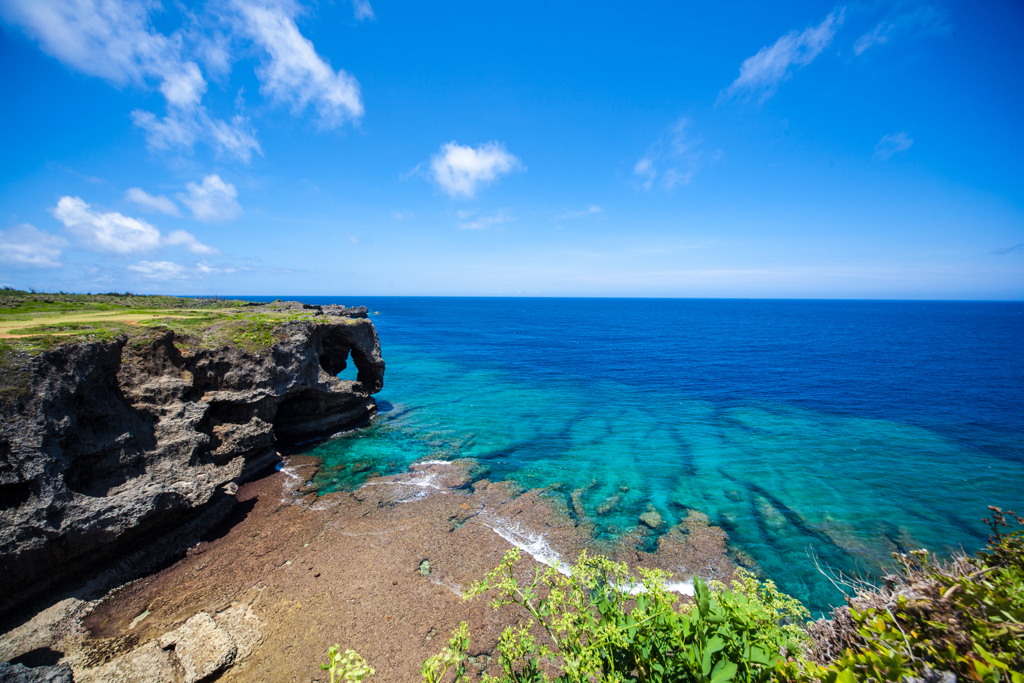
(339, 358)
(350, 373)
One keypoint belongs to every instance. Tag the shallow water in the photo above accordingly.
(834, 429)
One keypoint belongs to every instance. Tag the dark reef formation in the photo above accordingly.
(125, 451)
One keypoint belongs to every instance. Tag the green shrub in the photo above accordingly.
(602, 624)
(964, 616)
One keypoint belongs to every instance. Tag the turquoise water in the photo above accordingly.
(832, 430)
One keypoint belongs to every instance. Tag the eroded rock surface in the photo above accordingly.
(299, 572)
(125, 451)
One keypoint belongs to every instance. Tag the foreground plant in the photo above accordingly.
(601, 624)
(453, 657)
(348, 667)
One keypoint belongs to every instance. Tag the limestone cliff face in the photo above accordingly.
(127, 450)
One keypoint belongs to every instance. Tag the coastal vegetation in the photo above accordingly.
(928, 620)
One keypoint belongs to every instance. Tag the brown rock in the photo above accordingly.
(651, 519)
(201, 647)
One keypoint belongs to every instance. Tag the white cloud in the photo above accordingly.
(106, 38)
(876, 36)
(182, 129)
(159, 270)
(893, 144)
(106, 232)
(362, 10)
(204, 268)
(919, 18)
(236, 138)
(115, 40)
(160, 203)
(674, 158)
(25, 246)
(169, 270)
(295, 73)
(188, 240)
(645, 170)
(469, 220)
(460, 170)
(213, 200)
(589, 211)
(184, 88)
(772, 65)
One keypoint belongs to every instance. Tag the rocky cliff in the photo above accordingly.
(121, 452)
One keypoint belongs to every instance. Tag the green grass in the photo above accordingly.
(15, 302)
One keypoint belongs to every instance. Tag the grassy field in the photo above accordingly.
(31, 322)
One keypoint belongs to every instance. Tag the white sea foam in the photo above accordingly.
(293, 482)
(681, 587)
(426, 482)
(537, 547)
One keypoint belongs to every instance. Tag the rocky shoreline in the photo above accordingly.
(380, 570)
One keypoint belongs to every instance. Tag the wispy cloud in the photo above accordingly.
(204, 268)
(147, 202)
(362, 10)
(461, 170)
(1008, 250)
(186, 239)
(169, 270)
(182, 129)
(893, 144)
(772, 65)
(294, 73)
(115, 40)
(570, 215)
(470, 220)
(907, 18)
(212, 200)
(159, 270)
(109, 39)
(673, 159)
(26, 246)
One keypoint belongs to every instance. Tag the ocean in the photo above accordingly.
(816, 433)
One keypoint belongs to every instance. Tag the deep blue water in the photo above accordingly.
(846, 430)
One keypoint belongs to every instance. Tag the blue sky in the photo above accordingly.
(868, 150)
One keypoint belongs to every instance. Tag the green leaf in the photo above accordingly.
(723, 671)
(846, 676)
(715, 644)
